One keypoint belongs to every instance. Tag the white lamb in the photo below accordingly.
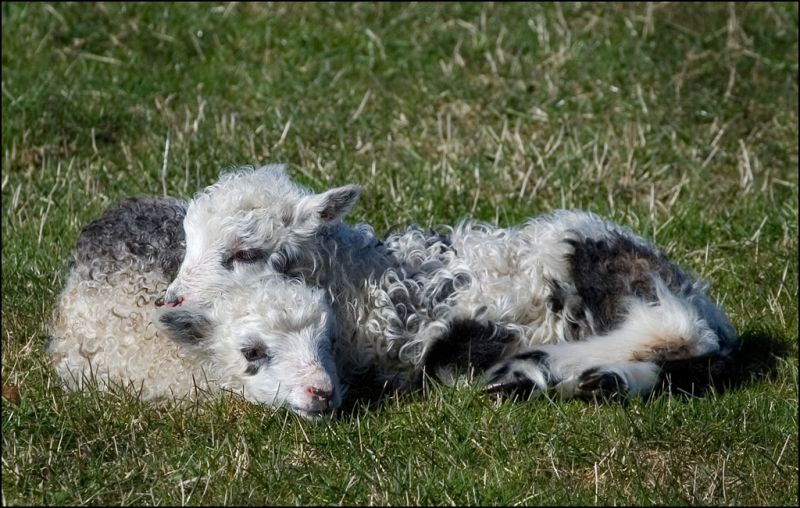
(106, 325)
(568, 302)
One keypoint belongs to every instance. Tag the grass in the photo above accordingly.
(678, 121)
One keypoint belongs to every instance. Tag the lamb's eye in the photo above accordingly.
(255, 353)
(246, 256)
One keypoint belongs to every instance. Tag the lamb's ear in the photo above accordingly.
(186, 326)
(327, 207)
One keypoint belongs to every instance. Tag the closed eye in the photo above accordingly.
(255, 353)
(245, 256)
(257, 356)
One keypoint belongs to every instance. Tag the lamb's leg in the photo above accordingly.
(626, 360)
(535, 374)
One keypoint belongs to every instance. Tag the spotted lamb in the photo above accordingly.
(568, 303)
(106, 325)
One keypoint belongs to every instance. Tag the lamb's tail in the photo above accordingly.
(629, 359)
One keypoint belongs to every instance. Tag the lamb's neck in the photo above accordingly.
(344, 259)
(350, 263)
(354, 256)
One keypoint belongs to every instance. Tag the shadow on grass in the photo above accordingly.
(755, 361)
(367, 396)
(757, 358)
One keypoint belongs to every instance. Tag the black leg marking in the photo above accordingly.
(509, 377)
(516, 383)
(598, 383)
(469, 344)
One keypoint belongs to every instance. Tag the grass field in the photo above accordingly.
(679, 121)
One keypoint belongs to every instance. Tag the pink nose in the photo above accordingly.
(324, 395)
(173, 301)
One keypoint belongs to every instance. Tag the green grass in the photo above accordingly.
(679, 121)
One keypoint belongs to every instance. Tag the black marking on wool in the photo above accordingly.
(469, 343)
(186, 326)
(144, 232)
(564, 300)
(607, 270)
(533, 355)
(227, 263)
(557, 297)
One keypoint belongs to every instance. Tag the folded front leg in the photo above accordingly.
(537, 371)
(623, 361)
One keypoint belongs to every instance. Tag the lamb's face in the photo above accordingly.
(269, 340)
(250, 223)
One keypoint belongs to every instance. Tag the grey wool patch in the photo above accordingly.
(141, 232)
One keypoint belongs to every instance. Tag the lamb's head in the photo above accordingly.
(269, 339)
(251, 222)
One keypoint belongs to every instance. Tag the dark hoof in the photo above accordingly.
(509, 382)
(508, 387)
(595, 383)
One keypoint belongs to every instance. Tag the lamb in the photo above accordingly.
(106, 325)
(567, 303)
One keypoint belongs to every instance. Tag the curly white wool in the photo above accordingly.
(563, 278)
(108, 331)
